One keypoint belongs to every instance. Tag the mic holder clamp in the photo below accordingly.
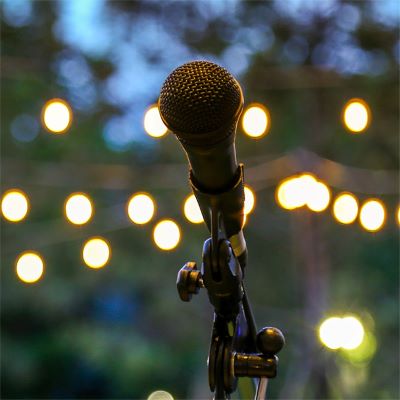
(236, 349)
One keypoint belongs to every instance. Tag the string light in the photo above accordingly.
(56, 116)
(96, 252)
(318, 197)
(153, 123)
(289, 194)
(160, 395)
(356, 115)
(345, 208)
(191, 210)
(29, 267)
(249, 200)
(141, 208)
(14, 205)
(78, 208)
(166, 234)
(372, 215)
(346, 332)
(256, 121)
(354, 333)
(330, 333)
(303, 190)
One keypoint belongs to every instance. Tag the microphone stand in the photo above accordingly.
(236, 348)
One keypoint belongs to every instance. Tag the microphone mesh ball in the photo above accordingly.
(201, 103)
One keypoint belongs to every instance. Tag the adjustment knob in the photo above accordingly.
(270, 340)
(188, 281)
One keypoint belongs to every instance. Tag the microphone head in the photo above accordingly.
(200, 102)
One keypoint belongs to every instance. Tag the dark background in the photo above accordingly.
(121, 331)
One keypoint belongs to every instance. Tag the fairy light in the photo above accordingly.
(96, 252)
(191, 210)
(160, 395)
(345, 208)
(14, 205)
(29, 267)
(249, 200)
(141, 208)
(57, 116)
(356, 115)
(318, 197)
(372, 215)
(330, 333)
(78, 208)
(153, 123)
(256, 121)
(303, 190)
(353, 333)
(341, 332)
(289, 194)
(166, 234)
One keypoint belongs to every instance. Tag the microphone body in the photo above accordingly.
(201, 102)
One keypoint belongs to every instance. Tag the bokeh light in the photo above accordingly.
(398, 215)
(345, 208)
(141, 208)
(14, 205)
(304, 190)
(356, 115)
(29, 267)
(372, 215)
(153, 123)
(249, 200)
(330, 333)
(57, 116)
(96, 252)
(289, 193)
(166, 234)
(78, 208)
(191, 210)
(353, 333)
(256, 121)
(347, 333)
(160, 395)
(318, 196)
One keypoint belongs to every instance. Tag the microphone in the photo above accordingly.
(201, 102)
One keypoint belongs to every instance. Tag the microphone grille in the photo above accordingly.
(199, 98)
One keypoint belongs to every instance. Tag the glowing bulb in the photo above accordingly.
(372, 215)
(96, 252)
(153, 123)
(256, 121)
(141, 208)
(330, 333)
(57, 116)
(290, 193)
(160, 395)
(166, 234)
(347, 333)
(356, 115)
(345, 208)
(249, 200)
(192, 211)
(14, 205)
(319, 197)
(29, 267)
(353, 333)
(78, 208)
(398, 215)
